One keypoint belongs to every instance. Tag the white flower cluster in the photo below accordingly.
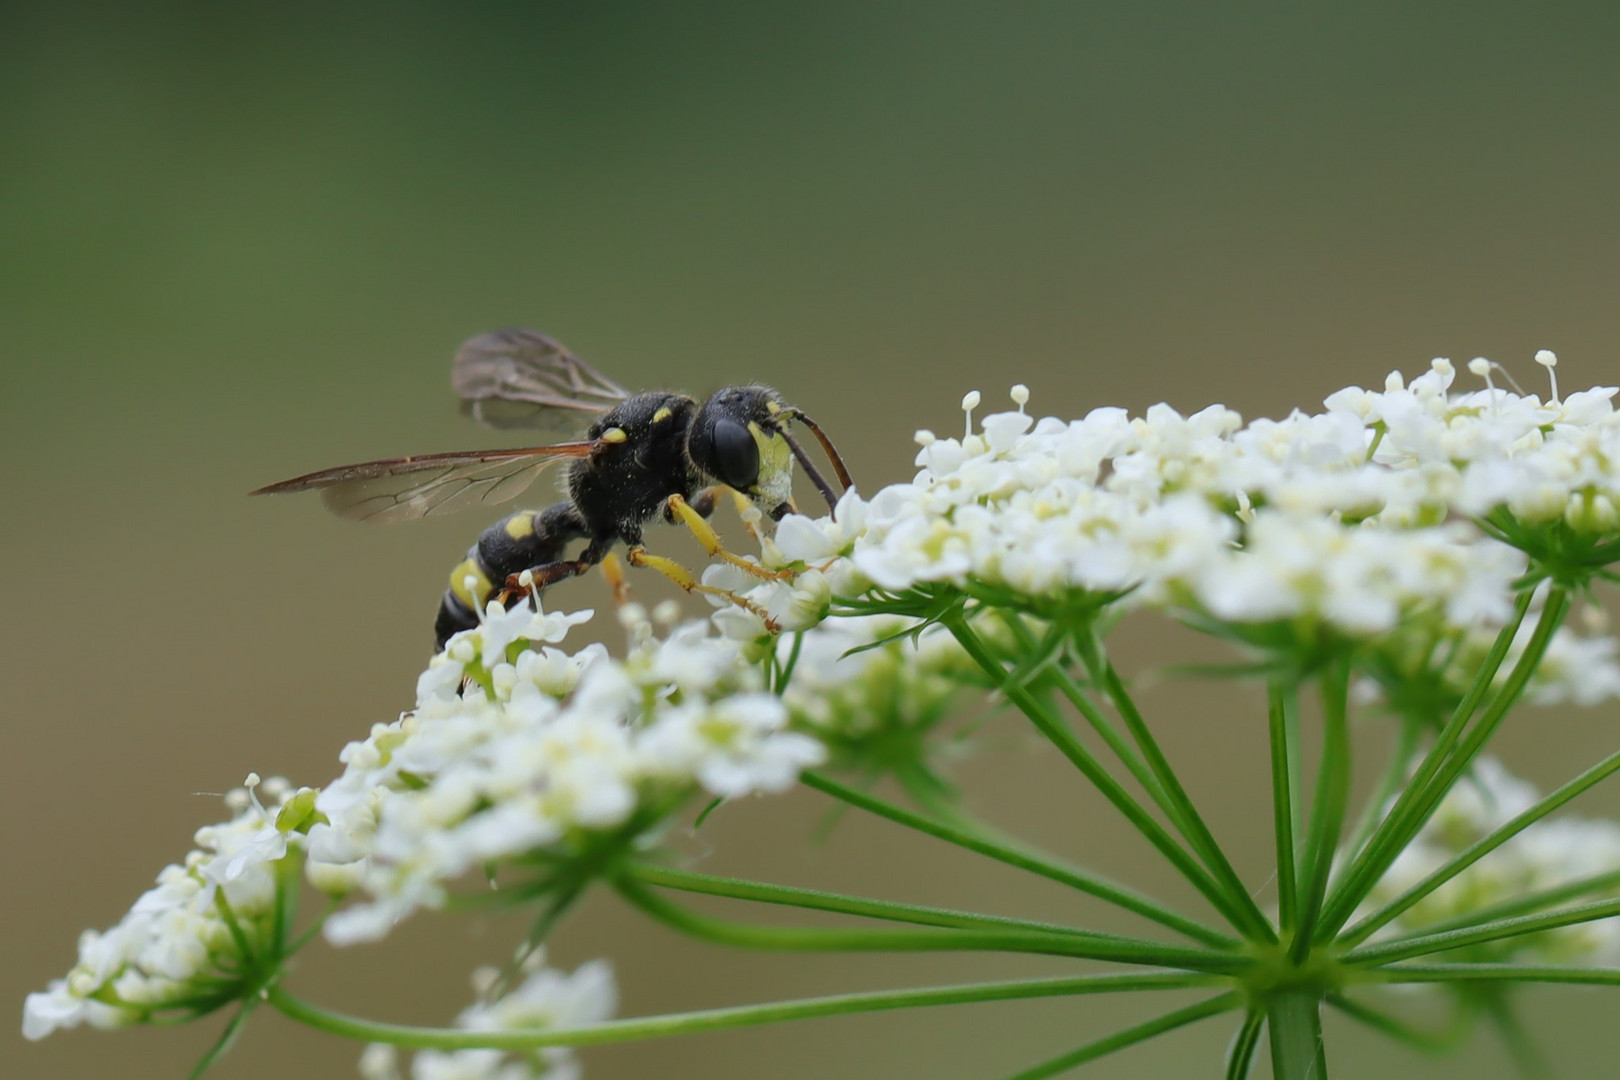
(1350, 518)
(178, 947)
(514, 749)
(1548, 854)
(1433, 663)
(869, 686)
(547, 1000)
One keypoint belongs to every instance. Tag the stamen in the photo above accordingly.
(1482, 367)
(1020, 396)
(970, 401)
(526, 579)
(249, 784)
(1549, 360)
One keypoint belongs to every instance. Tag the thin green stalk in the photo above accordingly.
(1440, 767)
(819, 939)
(1496, 930)
(818, 900)
(1059, 735)
(233, 1028)
(1130, 1036)
(1066, 685)
(1090, 884)
(1294, 1019)
(1527, 1056)
(1528, 903)
(1240, 1055)
(1180, 806)
(1122, 749)
(1480, 848)
(227, 914)
(613, 1031)
(1397, 1029)
(1283, 812)
(1327, 806)
(1486, 973)
(1405, 741)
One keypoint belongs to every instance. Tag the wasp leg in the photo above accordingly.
(693, 520)
(681, 576)
(613, 570)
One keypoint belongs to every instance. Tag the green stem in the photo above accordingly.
(1496, 930)
(1094, 716)
(1484, 973)
(818, 900)
(818, 939)
(1480, 848)
(1327, 806)
(1130, 1036)
(1439, 766)
(1240, 1056)
(1400, 755)
(1089, 884)
(1528, 903)
(1282, 812)
(1399, 1030)
(1060, 736)
(613, 1031)
(1179, 806)
(227, 1038)
(1527, 1056)
(1294, 1018)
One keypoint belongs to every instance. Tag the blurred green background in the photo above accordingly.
(240, 242)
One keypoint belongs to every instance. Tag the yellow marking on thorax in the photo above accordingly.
(469, 568)
(613, 435)
(520, 526)
(662, 414)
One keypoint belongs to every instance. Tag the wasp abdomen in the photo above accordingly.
(521, 541)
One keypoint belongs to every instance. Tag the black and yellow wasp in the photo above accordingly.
(644, 455)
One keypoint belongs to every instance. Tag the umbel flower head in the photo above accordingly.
(515, 749)
(1399, 536)
(201, 935)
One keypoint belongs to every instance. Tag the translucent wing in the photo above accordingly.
(402, 489)
(522, 378)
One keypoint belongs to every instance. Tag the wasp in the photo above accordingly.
(643, 456)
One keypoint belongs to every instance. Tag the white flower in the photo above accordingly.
(547, 1000)
(175, 943)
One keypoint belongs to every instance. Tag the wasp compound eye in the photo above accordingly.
(736, 455)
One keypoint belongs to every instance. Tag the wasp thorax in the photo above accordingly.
(736, 438)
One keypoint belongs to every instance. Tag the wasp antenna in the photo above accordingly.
(811, 471)
(827, 447)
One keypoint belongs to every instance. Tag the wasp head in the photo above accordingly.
(737, 438)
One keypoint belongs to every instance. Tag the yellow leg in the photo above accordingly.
(613, 570)
(712, 544)
(681, 576)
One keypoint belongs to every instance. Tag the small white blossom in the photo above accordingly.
(175, 942)
(546, 1000)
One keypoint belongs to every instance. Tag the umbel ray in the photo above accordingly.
(646, 455)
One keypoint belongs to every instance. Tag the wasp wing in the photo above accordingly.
(402, 489)
(522, 378)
